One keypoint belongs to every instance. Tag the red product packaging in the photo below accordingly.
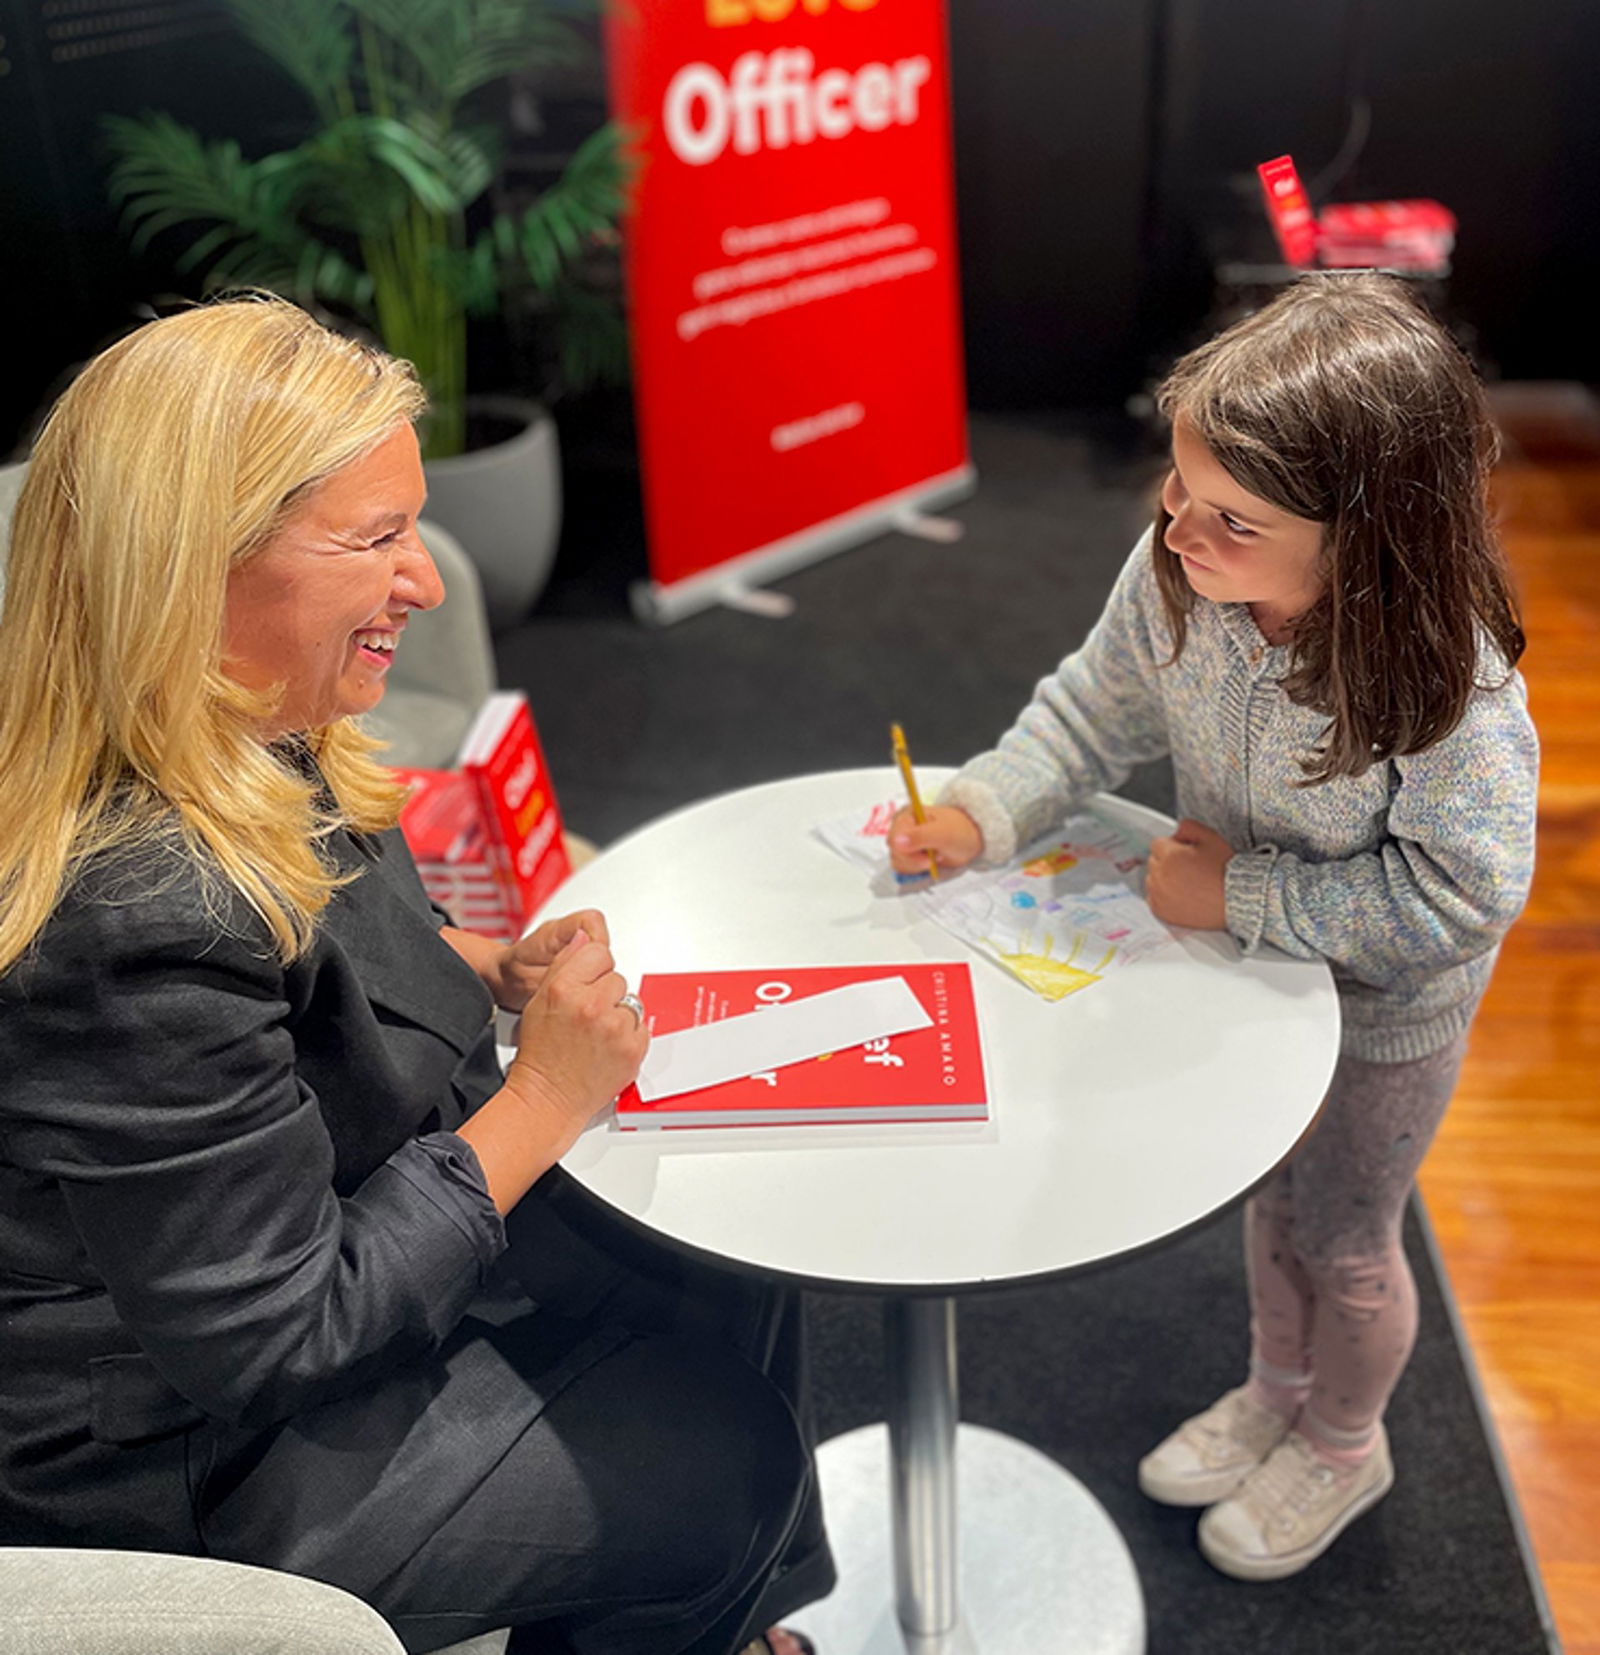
(503, 761)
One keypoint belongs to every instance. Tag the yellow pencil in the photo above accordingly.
(902, 757)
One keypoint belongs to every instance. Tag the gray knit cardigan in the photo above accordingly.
(1403, 879)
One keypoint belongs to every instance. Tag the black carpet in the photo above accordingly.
(949, 640)
(1094, 1370)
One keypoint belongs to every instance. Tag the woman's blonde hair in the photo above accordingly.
(175, 454)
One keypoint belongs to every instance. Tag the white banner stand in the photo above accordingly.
(738, 583)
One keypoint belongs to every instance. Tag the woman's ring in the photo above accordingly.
(635, 1005)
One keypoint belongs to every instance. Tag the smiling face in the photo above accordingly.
(319, 609)
(1234, 546)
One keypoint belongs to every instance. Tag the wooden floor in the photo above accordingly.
(1513, 1182)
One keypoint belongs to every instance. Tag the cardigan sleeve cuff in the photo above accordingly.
(444, 1168)
(1246, 884)
(983, 805)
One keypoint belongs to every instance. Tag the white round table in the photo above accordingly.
(1120, 1116)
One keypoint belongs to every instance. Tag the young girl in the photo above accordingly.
(1321, 632)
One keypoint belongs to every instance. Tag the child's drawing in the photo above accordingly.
(1069, 910)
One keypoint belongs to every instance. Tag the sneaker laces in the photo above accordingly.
(1211, 1440)
(1218, 1434)
(1291, 1479)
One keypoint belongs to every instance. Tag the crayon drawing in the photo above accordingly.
(1082, 961)
(1066, 912)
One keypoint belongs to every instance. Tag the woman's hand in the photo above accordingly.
(577, 1046)
(522, 966)
(1186, 881)
(951, 834)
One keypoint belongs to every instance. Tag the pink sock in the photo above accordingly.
(1343, 1448)
(1284, 1393)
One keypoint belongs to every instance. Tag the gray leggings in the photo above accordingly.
(1331, 1294)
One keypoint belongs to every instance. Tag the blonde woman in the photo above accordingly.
(287, 1272)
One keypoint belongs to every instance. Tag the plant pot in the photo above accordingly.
(503, 502)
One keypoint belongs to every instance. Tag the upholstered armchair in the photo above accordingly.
(65, 1601)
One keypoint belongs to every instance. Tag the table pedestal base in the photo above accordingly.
(1042, 1566)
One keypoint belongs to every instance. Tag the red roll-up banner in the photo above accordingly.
(791, 270)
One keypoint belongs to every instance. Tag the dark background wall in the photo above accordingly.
(68, 282)
(1487, 106)
(1104, 162)
(1053, 104)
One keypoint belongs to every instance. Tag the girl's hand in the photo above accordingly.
(1186, 882)
(577, 1047)
(522, 965)
(951, 834)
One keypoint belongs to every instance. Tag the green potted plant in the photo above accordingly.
(385, 214)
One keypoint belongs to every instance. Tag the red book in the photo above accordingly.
(931, 1074)
(502, 758)
(1399, 235)
(1289, 211)
(440, 819)
(444, 830)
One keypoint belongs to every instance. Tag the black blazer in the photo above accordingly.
(229, 1190)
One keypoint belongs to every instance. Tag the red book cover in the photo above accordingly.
(502, 757)
(1399, 235)
(444, 830)
(440, 820)
(1289, 211)
(930, 1074)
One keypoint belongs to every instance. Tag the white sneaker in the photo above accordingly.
(1291, 1508)
(1208, 1456)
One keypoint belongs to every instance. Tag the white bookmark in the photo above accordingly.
(792, 1032)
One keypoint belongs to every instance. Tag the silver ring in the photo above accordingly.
(635, 1005)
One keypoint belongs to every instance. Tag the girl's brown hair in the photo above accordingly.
(1344, 402)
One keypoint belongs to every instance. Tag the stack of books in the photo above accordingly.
(486, 836)
(443, 826)
(1415, 236)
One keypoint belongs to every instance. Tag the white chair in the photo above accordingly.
(67, 1601)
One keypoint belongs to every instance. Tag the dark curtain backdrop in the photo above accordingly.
(1486, 106)
(1104, 156)
(68, 280)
